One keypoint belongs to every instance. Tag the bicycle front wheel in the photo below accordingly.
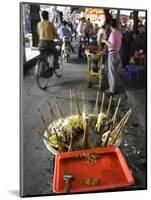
(40, 73)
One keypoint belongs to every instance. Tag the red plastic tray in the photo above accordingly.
(111, 170)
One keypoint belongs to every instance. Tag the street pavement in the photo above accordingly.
(38, 162)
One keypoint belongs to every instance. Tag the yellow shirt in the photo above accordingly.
(46, 30)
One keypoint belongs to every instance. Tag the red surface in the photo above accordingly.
(110, 168)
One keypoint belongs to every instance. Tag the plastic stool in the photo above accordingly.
(132, 72)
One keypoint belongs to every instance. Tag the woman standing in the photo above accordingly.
(114, 61)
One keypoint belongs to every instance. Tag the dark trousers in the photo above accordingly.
(50, 46)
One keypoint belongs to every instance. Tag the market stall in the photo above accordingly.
(90, 141)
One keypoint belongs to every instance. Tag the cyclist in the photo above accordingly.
(47, 33)
(63, 31)
(81, 34)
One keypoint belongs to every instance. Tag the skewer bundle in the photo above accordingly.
(64, 132)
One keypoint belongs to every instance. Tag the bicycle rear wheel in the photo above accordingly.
(40, 73)
(58, 71)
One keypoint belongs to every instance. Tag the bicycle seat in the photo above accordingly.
(44, 50)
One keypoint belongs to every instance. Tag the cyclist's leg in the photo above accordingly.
(55, 52)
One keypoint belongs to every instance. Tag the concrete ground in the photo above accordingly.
(38, 161)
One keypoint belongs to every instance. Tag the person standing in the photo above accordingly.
(104, 33)
(34, 19)
(56, 18)
(81, 27)
(126, 46)
(88, 29)
(95, 29)
(114, 61)
(101, 35)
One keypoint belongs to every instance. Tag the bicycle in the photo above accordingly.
(45, 66)
(66, 49)
(81, 51)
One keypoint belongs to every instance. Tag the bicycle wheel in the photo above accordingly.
(58, 71)
(40, 73)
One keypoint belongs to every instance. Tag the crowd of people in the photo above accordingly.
(133, 45)
(121, 46)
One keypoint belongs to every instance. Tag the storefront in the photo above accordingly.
(96, 15)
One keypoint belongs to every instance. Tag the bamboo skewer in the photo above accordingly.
(102, 104)
(101, 116)
(114, 135)
(111, 136)
(71, 143)
(45, 138)
(38, 135)
(84, 104)
(95, 111)
(106, 138)
(53, 116)
(127, 115)
(56, 133)
(42, 136)
(76, 104)
(59, 109)
(125, 118)
(44, 122)
(115, 113)
(60, 143)
(116, 131)
(85, 124)
(117, 135)
(85, 135)
(71, 102)
(109, 106)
